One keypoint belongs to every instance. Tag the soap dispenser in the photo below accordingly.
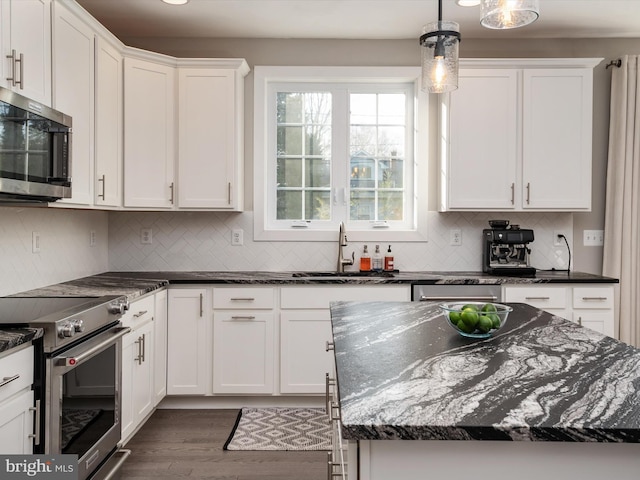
(388, 260)
(365, 260)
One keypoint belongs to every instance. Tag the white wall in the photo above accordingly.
(65, 253)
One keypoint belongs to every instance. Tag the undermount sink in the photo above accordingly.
(341, 274)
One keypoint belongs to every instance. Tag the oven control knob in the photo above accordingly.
(78, 325)
(119, 308)
(66, 330)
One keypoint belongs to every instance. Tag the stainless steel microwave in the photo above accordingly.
(35, 150)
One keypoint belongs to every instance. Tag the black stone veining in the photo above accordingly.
(403, 373)
(13, 337)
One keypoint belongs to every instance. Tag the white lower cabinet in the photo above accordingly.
(138, 350)
(189, 341)
(590, 306)
(16, 402)
(243, 340)
(305, 329)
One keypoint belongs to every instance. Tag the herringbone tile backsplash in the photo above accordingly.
(202, 241)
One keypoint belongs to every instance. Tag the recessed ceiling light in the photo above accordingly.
(176, 2)
(468, 3)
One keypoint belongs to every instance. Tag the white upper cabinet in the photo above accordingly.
(25, 41)
(73, 76)
(210, 158)
(108, 180)
(149, 140)
(516, 136)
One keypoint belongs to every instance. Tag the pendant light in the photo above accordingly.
(440, 41)
(505, 14)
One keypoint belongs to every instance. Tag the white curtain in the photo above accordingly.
(622, 213)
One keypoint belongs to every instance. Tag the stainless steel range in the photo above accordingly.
(78, 376)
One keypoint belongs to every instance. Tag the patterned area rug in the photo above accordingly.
(280, 429)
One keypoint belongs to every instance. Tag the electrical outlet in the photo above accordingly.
(92, 238)
(593, 238)
(237, 237)
(455, 237)
(558, 241)
(35, 242)
(146, 236)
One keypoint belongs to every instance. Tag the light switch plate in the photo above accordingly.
(593, 238)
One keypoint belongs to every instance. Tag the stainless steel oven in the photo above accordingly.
(78, 377)
(451, 292)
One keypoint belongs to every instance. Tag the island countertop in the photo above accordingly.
(403, 373)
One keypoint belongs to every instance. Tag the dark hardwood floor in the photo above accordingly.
(188, 443)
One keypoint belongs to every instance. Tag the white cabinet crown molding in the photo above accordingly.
(530, 62)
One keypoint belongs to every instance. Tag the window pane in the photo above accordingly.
(289, 172)
(363, 205)
(289, 107)
(391, 108)
(363, 108)
(317, 172)
(390, 206)
(362, 172)
(317, 205)
(290, 141)
(318, 140)
(289, 205)
(317, 108)
(391, 141)
(391, 173)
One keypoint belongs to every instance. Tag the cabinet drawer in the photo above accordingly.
(16, 369)
(243, 298)
(539, 297)
(311, 297)
(140, 311)
(585, 297)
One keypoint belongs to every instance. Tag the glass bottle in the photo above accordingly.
(365, 260)
(377, 260)
(388, 260)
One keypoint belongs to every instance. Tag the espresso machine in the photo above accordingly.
(505, 249)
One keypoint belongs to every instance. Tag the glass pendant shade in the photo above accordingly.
(440, 41)
(505, 14)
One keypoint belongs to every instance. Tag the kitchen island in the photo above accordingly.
(543, 397)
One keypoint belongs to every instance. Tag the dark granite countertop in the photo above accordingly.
(13, 337)
(403, 373)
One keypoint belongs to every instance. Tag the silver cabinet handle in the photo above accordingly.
(12, 78)
(537, 298)
(36, 424)
(580, 321)
(7, 380)
(334, 407)
(329, 346)
(171, 197)
(101, 195)
(481, 298)
(201, 306)
(328, 383)
(21, 81)
(243, 299)
(243, 317)
(513, 193)
(528, 192)
(144, 346)
(139, 357)
(139, 314)
(599, 299)
(229, 194)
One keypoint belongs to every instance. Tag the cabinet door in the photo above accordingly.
(556, 131)
(137, 378)
(210, 156)
(149, 140)
(189, 344)
(304, 359)
(26, 28)
(160, 347)
(74, 95)
(108, 190)
(16, 424)
(482, 119)
(243, 352)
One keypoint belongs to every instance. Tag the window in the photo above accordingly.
(338, 145)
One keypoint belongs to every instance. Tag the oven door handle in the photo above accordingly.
(73, 360)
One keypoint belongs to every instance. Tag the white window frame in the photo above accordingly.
(266, 75)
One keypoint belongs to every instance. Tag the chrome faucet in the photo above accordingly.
(342, 242)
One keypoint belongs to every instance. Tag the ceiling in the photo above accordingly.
(353, 19)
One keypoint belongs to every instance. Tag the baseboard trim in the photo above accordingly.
(220, 402)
